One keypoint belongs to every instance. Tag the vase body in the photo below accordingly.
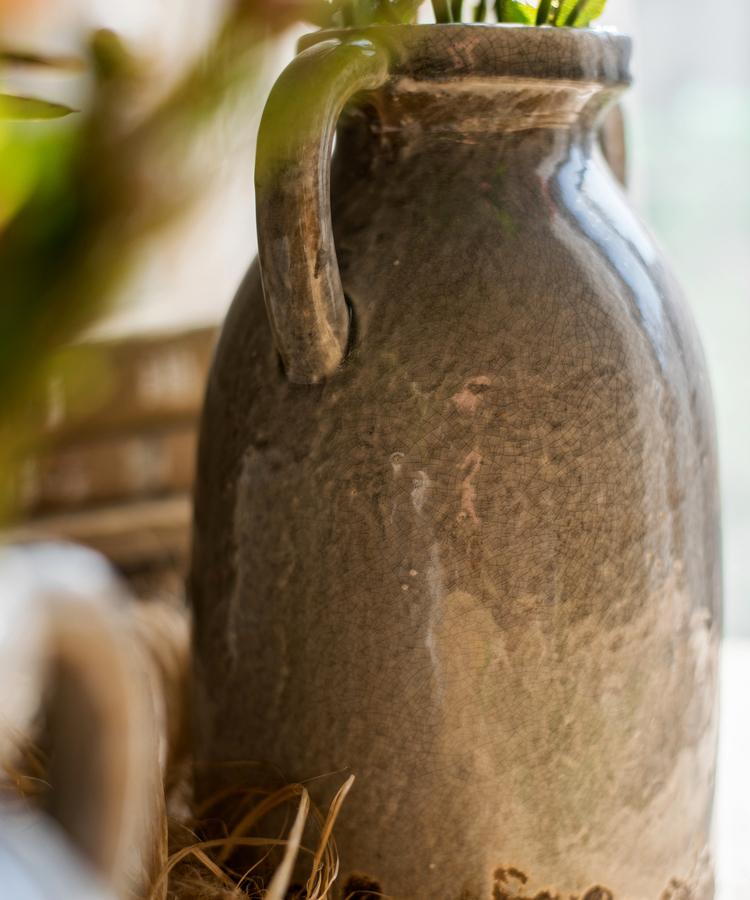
(478, 566)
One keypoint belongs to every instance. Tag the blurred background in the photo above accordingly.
(688, 119)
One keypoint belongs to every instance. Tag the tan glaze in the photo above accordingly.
(478, 564)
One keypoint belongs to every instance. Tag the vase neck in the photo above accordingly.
(474, 109)
(469, 81)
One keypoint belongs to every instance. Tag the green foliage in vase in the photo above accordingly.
(358, 13)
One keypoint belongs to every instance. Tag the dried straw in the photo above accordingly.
(202, 868)
(185, 861)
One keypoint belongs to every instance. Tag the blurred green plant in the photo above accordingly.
(359, 13)
(81, 191)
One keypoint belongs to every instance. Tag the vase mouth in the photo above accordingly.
(450, 51)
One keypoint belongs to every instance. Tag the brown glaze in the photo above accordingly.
(478, 566)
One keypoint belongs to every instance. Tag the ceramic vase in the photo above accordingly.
(456, 526)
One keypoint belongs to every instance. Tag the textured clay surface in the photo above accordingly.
(479, 565)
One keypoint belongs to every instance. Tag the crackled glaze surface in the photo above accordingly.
(479, 565)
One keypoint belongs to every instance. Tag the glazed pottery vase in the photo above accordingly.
(456, 525)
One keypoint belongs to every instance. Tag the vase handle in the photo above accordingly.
(301, 281)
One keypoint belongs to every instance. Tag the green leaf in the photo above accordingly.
(110, 57)
(30, 59)
(403, 11)
(579, 13)
(14, 107)
(515, 11)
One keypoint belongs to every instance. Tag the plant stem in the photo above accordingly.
(575, 13)
(542, 13)
(456, 10)
(480, 11)
(347, 15)
(442, 11)
(403, 11)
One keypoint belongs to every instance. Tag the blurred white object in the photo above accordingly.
(66, 644)
(28, 841)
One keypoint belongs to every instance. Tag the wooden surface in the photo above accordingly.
(118, 476)
(131, 534)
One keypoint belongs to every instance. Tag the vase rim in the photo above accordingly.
(446, 51)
